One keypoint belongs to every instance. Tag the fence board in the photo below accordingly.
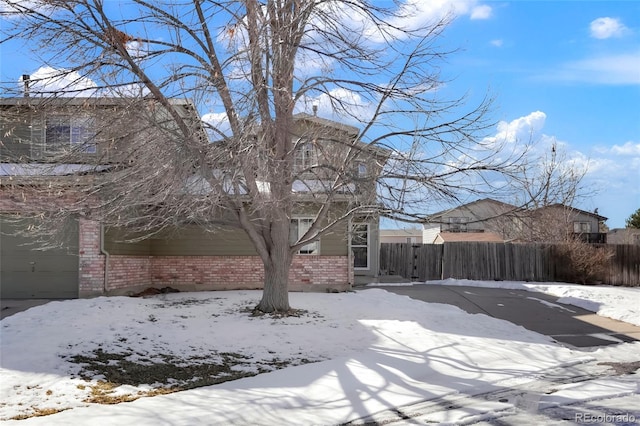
(498, 261)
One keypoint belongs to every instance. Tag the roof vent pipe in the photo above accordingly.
(25, 80)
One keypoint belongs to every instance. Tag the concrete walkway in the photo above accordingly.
(539, 312)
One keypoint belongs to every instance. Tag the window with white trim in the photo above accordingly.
(305, 156)
(361, 169)
(360, 245)
(299, 226)
(73, 132)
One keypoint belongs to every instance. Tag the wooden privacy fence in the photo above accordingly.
(498, 261)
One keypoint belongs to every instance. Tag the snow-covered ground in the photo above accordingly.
(351, 355)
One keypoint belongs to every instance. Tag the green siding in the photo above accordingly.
(115, 243)
(26, 272)
(193, 241)
(334, 243)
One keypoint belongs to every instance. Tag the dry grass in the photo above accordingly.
(39, 412)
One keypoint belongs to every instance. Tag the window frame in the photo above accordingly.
(457, 223)
(367, 245)
(304, 158)
(579, 225)
(63, 130)
(300, 231)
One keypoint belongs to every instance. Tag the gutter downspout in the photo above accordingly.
(106, 260)
(350, 274)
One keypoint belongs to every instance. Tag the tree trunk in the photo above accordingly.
(275, 297)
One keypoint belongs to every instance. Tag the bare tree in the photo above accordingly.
(257, 64)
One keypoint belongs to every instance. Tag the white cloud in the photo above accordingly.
(620, 69)
(339, 104)
(497, 43)
(219, 122)
(481, 12)
(521, 130)
(412, 15)
(603, 28)
(629, 148)
(47, 81)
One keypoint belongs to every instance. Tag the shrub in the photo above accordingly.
(583, 263)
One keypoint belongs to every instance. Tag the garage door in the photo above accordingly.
(29, 273)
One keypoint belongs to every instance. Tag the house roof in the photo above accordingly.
(80, 101)
(327, 123)
(573, 209)
(43, 169)
(467, 205)
(487, 237)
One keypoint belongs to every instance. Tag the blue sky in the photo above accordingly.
(565, 71)
(577, 63)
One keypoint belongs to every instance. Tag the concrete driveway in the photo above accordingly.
(539, 312)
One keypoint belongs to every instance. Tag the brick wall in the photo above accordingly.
(91, 260)
(308, 273)
(128, 272)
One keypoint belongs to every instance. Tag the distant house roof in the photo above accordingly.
(454, 237)
(500, 204)
(573, 209)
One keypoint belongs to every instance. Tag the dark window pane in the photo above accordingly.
(360, 259)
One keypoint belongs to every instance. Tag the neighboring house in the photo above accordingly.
(95, 260)
(492, 220)
(624, 236)
(474, 219)
(406, 235)
(556, 221)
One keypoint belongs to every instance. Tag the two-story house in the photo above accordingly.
(557, 221)
(48, 144)
(482, 220)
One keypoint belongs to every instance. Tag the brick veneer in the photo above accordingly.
(308, 273)
(92, 261)
(129, 273)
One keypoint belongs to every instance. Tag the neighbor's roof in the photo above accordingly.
(467, 205)
(573, 209)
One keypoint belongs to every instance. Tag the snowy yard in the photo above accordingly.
(347, 356)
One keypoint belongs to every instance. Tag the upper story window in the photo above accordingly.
(72, 132)
(458, 224)
(305, 156)
(582, 227)
(361, 170)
